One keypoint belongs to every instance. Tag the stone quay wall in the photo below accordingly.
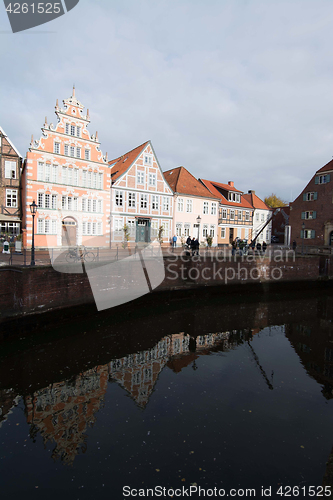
(27, 291)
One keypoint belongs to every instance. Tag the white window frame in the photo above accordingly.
(10, 169)
(11, 194)
(205, 208)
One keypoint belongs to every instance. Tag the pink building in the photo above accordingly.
(68, 177)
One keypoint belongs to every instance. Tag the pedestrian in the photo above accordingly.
(264, 246)
(196, 246)
(259, 247)
(294, 245)
(188, 241)
(174, 241)
(234, 247)
(192, 245)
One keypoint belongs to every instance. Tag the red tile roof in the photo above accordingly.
(121, 164)
(211, 185)
(255, 201)
(326, 168)
(181, 181)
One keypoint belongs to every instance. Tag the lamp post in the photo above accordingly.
(303, 227)
(198, 222)
(33, 210)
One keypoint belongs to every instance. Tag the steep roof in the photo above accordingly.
(326, 168)
(212, 186)
(10, 142)
(121, 164)
(181, 181)
(255, 201)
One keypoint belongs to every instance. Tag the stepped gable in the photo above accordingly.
(181, 181)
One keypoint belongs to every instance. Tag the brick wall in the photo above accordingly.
(40, 289)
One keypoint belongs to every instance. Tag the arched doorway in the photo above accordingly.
(330, 240)
(68, 232)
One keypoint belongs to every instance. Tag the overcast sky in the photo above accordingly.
(231, 90)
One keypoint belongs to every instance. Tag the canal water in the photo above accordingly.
(227, 393)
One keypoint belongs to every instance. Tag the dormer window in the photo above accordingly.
(235, 197)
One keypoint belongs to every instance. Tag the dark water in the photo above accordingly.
(211, 392)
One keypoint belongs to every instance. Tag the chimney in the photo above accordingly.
(231, 183)
(251, 191)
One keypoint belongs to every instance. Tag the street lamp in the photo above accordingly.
(198, 222)
(303, 227)
(33, 210)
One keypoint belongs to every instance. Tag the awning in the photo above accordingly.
(9, 218)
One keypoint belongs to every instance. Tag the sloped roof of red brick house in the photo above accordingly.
(311, 213)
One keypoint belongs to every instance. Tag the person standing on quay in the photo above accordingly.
(174, 241)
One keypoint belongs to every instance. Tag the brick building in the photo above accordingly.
(311, 214)
(68, 177)
(10, 196)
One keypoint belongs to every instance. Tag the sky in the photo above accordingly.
(231, 90)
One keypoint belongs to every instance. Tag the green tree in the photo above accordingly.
(273, 201)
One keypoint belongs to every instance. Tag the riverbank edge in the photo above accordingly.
(39, 290)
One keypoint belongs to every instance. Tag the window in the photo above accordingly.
(257, 216)
(70, 176)
(10, 169)
(89, 179)
(84, 178)
(236, 197)
(119, 198)
(180, 204)
(309, 196)
(78, 152)
(54, 201)
(47, 172)
(213, 209)
(154, 203)
(11, 198)
(140, 177)
(309, 215)
(46, 226)
(131, 200)
(205, 207)
(94, 205)
(308, 234)
(40, 200)
(78, 131)
(69, 203)
(87, 154)
(47, 201)
(152, 179)
(143, 200)
(322, 179)
(94, 179)
(54, 173)
(72, 151)
(66, 150)
(148, 160)
(56, 148)
(72, 129)
(188, 206)
(84, 204)
(118, 224)
(262, 217)
(212, 231)
(88, 205)
(205, 230)
(64, 202)
(240, 215)
(224, 213)
(67, 128)
(64, 175)
(165, 203)
(99, 206)
(100, 181)
(247, 216)
(40, 171)
(187, 227)
(223, 232)
(76, 177)
(232, 214)
(179, 229)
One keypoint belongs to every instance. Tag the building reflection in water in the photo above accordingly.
(63, 411)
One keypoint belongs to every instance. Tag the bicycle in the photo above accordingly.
(78, 254)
